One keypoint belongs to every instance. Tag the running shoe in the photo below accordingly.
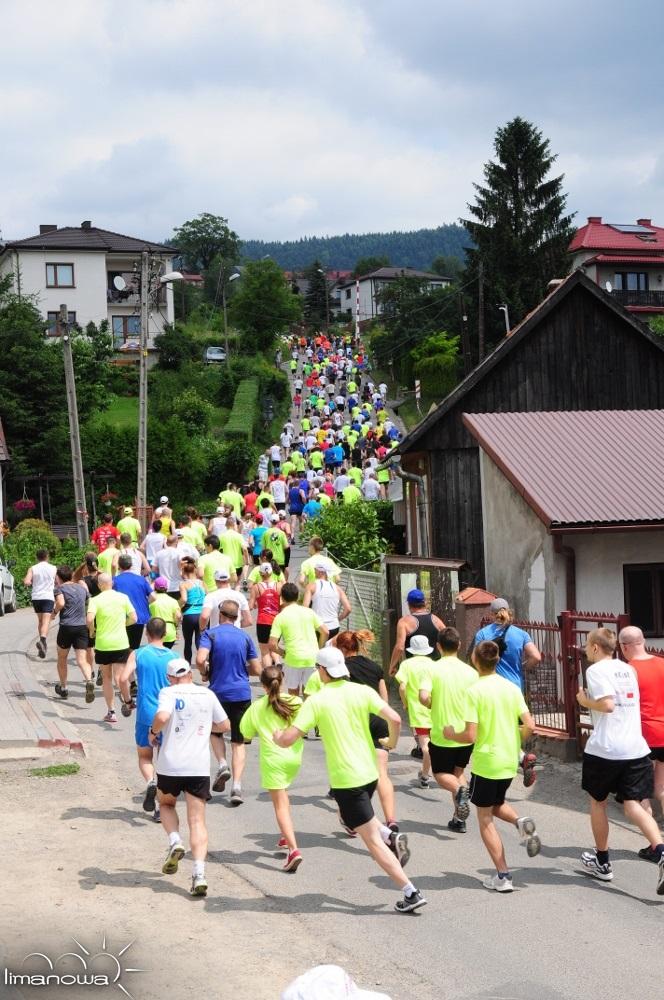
(236, 796)
(423, 779)
(393, 825)
(660, 876)
(604, 872)
(100, 679)
(528, 836)
(133, 689)
(127, 708)
(63, 692)
(173, 858)
(41, 648)
(462, 802)
(110, 717)
(150, 797)
(417, 753)
(409, 903)
(349, 830)
(223, 774)
(282, 844)
(529, 772)
(398, 844)
(499, 884)
(89, 692)
(457, 825)
(199, 885)
(293, 861)
(649, 854)
(156, 815)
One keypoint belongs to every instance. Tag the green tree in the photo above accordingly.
(436, 363)
(448, 266)
(193, 411)
(317, 298)
(201, 239)
(263, 305)
(656, 324)
(351, 533)
(174, 347)
(519, 227)
(365, 265)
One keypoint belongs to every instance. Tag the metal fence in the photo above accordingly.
(366, 593)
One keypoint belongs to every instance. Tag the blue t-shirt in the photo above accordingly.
(138, 590)
(295, 500)
(151, 678)
(229, 649)
(257, 538)
(312, 508)
(195, 598)
(510, 664)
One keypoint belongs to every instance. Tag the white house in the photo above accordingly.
(573, 512)
(373, 283)
(77, 265)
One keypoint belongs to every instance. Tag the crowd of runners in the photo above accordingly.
(163, 622)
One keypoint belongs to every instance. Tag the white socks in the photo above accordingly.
(174, 838)
(199, 868)
(385, 833)
(409, 889)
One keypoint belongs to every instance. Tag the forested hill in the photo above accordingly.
(413, 249)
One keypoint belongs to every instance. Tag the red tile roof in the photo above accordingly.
(598, 235)
(610, 258)
(546, 457)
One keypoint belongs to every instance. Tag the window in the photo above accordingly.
(52, 322)
(59, 275)
(644, 596)
(126, 328)
(631, 281)
(348, 293)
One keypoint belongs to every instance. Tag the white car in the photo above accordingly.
(214, 356)
(7, 588)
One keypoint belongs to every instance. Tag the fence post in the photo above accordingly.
(569, 673)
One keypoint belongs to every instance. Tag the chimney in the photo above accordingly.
(595, 218)
(46, 228)
(644, 222)
(86, 225)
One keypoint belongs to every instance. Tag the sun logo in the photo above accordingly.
(101, 968)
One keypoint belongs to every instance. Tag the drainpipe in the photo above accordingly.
(569, 555)
(421, 505)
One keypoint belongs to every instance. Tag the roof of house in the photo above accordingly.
(640, 237)
(4, 450)
(583, 468)
(614, 258)
(88, 238)
(516, 335)
(391, 273)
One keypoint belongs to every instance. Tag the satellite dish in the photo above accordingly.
(608, 286)
(119, 283)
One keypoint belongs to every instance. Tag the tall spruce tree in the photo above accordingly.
(317, 298)
(518, 225)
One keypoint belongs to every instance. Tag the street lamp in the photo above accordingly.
(223, 301)
(505, 311)
(327, 300)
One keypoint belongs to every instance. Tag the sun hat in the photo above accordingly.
(161, 583)
(332, 661)
(419, 646)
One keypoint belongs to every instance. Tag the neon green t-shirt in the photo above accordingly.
(341, 712)
(110, 609)
(230, 543)
(130, 525)
(167, 608)
(448, 681)
(210, 563)
(323, 499)
(105, 560)
(355, 475)
(287, 468)
(199, 532)
(297, 458)
(255, 577)
(313, 685)
(305, 424)
(278, 765)
(264, 495)
(190, 535)
(351, 494)
(296, 626)
(277, 541)
(308, 572)
(496, 705)
(233, 498)
(411, 673)
(316, 460)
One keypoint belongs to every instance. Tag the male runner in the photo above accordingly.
(130, 525)
(209, 617)
(301, 632)
(108, 615)
(41, 578)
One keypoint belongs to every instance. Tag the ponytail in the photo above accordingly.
(351, 643)
(504, 616)
(271, 678)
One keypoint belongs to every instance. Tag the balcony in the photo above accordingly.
(643, 300)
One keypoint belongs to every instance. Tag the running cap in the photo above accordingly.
(179, 532)
(416, 597)
(178, 667)
(161, 583)
(274, 517)
(129, 510)
(499, 604)
(163, 499)
(320, 567)
(264, 569)
(419, 646)
(220, 510)
(222, 574)
(332, 660)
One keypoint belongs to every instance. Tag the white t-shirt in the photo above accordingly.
(43, 581)
(370, 489)
(325, 603)
(286, 440)
(275, 453)
(217, 525)
(215, 598)
(154, 543)
(185, 746)
(136, 561)
(278, 490)
(167, 563)
(616, 735)
(383, 389)
(340, 483)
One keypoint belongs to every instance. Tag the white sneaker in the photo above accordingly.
(528, 835)
(498, 884)
(173, 858)
(199, 886)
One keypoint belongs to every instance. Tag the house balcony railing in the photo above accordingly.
(654, 300)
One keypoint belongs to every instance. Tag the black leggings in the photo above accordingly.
(190, 630)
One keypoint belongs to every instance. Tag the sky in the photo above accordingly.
(316, 117)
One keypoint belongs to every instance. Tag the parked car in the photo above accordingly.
(7, 588)
(214, 355)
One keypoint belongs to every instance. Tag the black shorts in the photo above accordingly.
(197, 785)
(281, 505)
(355, 804)
(287, 557)
(445, 760)
(105, 656)
(257, 559)
(657, 753)
(487, 792)
(175, 594)
(379, 730)
(629, 780)
(235, 710)
(135, 635)
(332, 632)
(73, 637)
(263, 633)
(43, 607)
(238, 571)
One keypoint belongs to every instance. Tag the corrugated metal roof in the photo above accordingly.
(92, 238)
(580, 468)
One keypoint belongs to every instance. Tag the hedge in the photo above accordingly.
(244, 415)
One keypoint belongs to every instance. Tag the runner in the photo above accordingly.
(166, 607)
(139, 564)
(211, 561)
(130, 525)
(209, 617)
(233, 545)
(107, 558)
(186, 715)
(307, 569)
(164, 514)
(342, 712)
(70, 601)
(417, 621)
(139, 592)
(265, 597)
(153, 543)
(325, 598)
(192, 595)
(277, 540)
(279, 766)
(107, 618)
(106, 530)
(497, 720)
(410, 677)
(41, 578)
(301, 631)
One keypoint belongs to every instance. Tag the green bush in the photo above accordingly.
(244, 415)
(194, 411)
(351, 533)
(21, 547)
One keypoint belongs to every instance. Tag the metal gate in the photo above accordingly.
(366, 593)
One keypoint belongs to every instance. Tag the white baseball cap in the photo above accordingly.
(265, 568)
(178, 667)
(333, 662)
(163, 499)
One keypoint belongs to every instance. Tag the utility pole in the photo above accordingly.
(480, 310)
(74, 435)
(223, 303)
(142, 462)
(465, 340)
